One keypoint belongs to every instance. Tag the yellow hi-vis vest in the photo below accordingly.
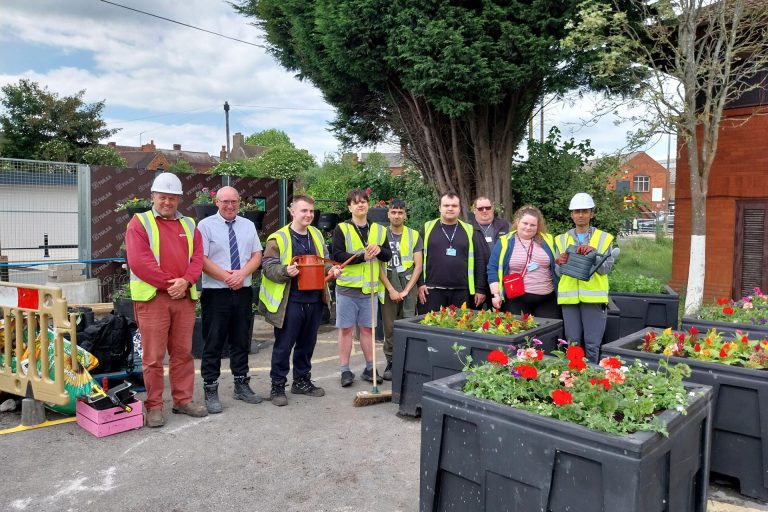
(428, 227)
(408, 241)
(572, 291)
(271, 293)
(504, 240)
(359, 274)
(141, 291)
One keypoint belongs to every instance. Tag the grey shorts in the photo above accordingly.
(352, 311)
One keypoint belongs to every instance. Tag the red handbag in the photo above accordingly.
(514, 285)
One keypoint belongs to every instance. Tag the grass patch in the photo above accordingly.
(643, 265)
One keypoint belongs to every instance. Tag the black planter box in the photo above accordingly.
(477, 455)
(423, 353)
(753, 331)
(739, 413)
(257, 217)
(205, 210)
(613, 322)
(640, 310)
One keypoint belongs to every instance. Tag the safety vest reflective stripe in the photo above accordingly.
(270, 292)
(142, 291)
(572, 291)
(407, 245)
(428, 227)
(358, 275)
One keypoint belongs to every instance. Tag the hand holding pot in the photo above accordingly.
(584, 249)
(562, 259)
(334, 272)
(292, 270)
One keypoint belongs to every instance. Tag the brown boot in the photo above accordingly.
(190, 409)
(154, 418)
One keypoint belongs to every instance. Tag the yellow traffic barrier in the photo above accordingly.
(28, 309)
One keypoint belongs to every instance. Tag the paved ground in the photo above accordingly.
(317, 454)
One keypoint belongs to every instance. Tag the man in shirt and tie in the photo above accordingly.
(232, 252)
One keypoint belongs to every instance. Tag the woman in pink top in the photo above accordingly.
(528, 250)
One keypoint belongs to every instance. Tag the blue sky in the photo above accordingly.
(168, 83)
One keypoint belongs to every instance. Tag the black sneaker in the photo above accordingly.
(368, 375)
(304, 386)
(347, 377)
(388, 371)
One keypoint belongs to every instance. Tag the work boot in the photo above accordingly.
(244, 392)
(304, 386)
(154, 418)
(277, 395)
(368, 375)
(388, 371)
(212, 402)
(191, 409)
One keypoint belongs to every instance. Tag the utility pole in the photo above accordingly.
(226, 179)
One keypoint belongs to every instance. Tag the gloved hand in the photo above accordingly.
(562, 259)
(584, 249)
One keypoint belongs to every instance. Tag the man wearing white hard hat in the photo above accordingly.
(165, 255)
(584, 303)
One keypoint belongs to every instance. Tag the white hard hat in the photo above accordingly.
(581, 201)
(167, 183)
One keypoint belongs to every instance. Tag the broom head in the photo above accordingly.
(364, 398)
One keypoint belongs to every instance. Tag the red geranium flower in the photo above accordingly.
(574, 352)
(577, 364)
(610, 362)
(499, 357)
(562, 397)
(539, 355)
(728, 310)
(722, 302)
(604, 382)
(527, 371)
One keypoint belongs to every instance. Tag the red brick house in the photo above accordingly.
(149, 157)
(737, 205)
(645, 178)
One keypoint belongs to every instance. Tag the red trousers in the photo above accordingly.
(166, 325)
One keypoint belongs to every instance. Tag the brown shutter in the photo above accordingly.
(751, 248)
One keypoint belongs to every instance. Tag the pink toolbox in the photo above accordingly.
(109, 421)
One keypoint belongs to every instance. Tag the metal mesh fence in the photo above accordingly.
(38, 217)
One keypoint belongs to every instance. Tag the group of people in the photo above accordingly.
(487, 263)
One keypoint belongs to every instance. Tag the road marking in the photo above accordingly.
(22, 428)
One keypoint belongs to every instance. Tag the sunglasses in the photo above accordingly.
(483, 208)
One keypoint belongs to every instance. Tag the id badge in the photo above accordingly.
(489, 239)
(450, 251)
(532, 266)
(400, 269)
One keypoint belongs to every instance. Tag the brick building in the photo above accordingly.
(149, 157)
(645, 178)
(737, 206)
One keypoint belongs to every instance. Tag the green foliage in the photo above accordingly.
(634, 283)
(283, 162)
(269, 138)
(103, 155)
(330, 182)
(246, 167)
(33, 117)
(181, 166)
(556, 170)
(644, 258)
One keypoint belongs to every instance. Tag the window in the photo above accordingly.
(642, 183)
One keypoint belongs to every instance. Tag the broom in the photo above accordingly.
(375, 396)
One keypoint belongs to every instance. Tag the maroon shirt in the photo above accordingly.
(174, 253)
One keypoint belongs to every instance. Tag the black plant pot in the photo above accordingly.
(725, 327)
(133, 210)
(641, 310)
(124, 307)
(379, 216)
(327, 221)
(739, 413)
(612, 323)
(423, 353)
(478, 455)
(205, 210)
(257, 217)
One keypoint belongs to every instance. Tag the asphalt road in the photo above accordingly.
(316, 454)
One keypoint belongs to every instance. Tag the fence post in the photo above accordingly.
(84, 215)
(283, 201)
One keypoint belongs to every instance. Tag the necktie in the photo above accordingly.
(234, 255)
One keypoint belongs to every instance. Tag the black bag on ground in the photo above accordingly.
(110, 340)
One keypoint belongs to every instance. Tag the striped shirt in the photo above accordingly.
(538, 281)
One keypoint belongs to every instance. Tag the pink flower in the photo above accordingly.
(614, 376)
(567, 379)
(748, 305)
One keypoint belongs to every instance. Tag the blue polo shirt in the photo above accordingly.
(215, 234)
